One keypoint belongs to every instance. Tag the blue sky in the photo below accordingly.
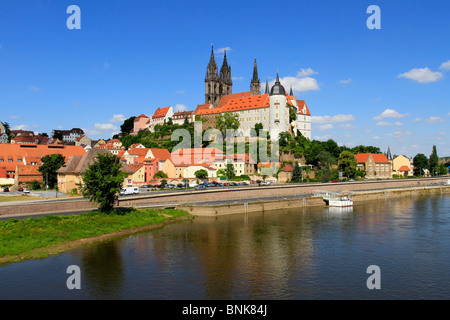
(373, 87)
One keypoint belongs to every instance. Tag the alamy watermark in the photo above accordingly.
(73, 281)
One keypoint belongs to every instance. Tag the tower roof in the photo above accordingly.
(211, 70)
(255, 72)
(277, 88)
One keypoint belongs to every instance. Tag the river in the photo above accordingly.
(311, 253)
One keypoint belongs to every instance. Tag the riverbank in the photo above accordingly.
(35, 238)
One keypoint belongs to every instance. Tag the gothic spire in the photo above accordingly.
(290, 92)
(255, 72)
(267, 85)
(211, 71)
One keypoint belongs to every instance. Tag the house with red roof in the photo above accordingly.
(141, 122)
(13, 155)
(285, 173)
(160, 116)
(376, 165)
(402, 166)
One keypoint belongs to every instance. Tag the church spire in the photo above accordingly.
(290, 92)
(211, 71)
(255, 84)
(267, 86)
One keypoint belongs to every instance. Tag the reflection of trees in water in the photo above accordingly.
(102, 269)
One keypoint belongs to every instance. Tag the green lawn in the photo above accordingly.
(39, 237)
(18, 198)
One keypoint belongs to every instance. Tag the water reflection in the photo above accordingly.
(308, 253)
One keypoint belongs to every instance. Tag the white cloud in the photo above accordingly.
(398, 123)
(301, 82)
(390, 113)
(102, 128)
(345, 81)
(117, 118)
(21, 127)
(384, 123)
(376, 99)
(347, 126)
(333, 119)
(237, 78)
(14, 117)
(180, 108)
(324, 127)
(434, 120)
(222, 50)
(298, 84)
(35, 88)
(417, 119)
(306, 73)
(325, 137)
(422, 75)
(180, 91)
(376, 137)
(445, 66)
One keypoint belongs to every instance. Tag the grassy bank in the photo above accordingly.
(18, 198)
(40, 237)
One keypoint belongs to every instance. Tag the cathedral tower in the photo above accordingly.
(255, 85)
(217, 85)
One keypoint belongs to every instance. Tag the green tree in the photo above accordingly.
(441, 169)
(160, 174)
(127, 125)
(297, 173)
(420, 162)
(292, 115)
(57, 135)
(103, 180)
(433, 161)
(49, 168)
(230, 171)
(227, 120)
(201, 174)
(258, 126)
(347, 164)
(170, 121)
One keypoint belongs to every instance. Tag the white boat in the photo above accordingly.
(335, 199)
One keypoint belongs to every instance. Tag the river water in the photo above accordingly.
(312, 253)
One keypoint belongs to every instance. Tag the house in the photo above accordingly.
(25, 174)
(2, 128)
(285, 173)
(3, 138)
(138, 175)
(12, 155)
(376, 165)
(70, 175)
(152, 158)
(69, 135)
(243, 164)
(180, 117)
(140, 123)
(180, 171)
(83, 141)
(402, 166)
(160, 117)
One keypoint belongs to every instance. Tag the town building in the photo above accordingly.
(12, 155)
(141, 122)
(376, 165)
(182, 117)
(402, 166)
(70, 175)
(69, 135)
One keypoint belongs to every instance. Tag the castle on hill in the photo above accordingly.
(271, 108)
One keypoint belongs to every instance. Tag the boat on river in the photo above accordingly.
(335, 199)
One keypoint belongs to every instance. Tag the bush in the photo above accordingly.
(35, 185)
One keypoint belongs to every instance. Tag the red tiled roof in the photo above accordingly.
(403, 168)
(141, 116)
(288, 168)
(301, 104)
(377, 157)
(237, 102)
(161, 112)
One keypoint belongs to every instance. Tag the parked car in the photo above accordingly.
(20, 189)
(335, 180)
(200, 187)
(170, 186)
(6, 189)
(233, 184)
(26, 191)
(264, 183)
(243, 183)
(208, 185)
(217, 184)
(129, 190)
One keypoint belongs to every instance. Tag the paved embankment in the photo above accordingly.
(230, 195)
